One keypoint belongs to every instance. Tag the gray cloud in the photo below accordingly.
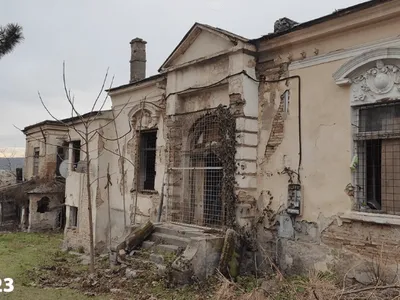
(91, 35)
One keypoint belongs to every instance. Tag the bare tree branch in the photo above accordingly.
(104, 102)
(101, 90)
(80, 132)
(68, 94)
(47, 143)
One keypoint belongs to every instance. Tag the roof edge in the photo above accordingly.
(337, 14)
(137, 83)
(67, 120)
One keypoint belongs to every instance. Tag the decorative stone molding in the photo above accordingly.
(370, 84)
(348, 53)
(382, 81)
(343, 75)
(150, 116)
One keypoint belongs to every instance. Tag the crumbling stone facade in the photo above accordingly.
(295, 98)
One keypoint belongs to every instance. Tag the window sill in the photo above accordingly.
(72, 228)
(144, 192)
(384, 219)
(148, 192)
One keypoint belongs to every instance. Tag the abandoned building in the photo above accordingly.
(48, 144)
(292, 139)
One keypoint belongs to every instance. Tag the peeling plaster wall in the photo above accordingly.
(76, 191)
(316, 239)
(240, 94)
(122, 216)
(237, 91)
(47, 141)
(46, 220)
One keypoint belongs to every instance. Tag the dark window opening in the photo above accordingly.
(377, 175)
(73, 216)
(62, 154)
(374, 167)
(36, 161)
(147, 160)
(43, 205)
(212, 190)
(76, 153)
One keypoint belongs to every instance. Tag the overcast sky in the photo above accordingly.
(91, 35)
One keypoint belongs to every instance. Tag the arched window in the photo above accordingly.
(205, 172)
(374, 80)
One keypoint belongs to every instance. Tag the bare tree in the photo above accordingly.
(7, 168)
(87, 134)
(8, 155)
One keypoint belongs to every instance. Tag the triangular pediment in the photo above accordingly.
(200, 42)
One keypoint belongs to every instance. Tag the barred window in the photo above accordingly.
(377, 144)
(147, 164)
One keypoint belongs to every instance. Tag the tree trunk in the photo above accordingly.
(89, 193)
(139, 235)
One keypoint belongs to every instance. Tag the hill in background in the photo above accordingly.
(16, 162)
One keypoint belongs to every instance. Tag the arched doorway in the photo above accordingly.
(212, 190)
(205, 174)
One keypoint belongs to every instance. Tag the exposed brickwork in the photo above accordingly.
(366, 239)
(271, 118)
(277, 132)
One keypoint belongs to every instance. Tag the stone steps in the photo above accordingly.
(183, 250)
(180, 231)
(163, 238)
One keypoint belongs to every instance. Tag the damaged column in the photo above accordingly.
(243, 94)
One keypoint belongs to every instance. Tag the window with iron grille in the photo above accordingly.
(35, 161)
(376, 138)
(147, 163)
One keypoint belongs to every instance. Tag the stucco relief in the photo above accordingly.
(148, 119)
(382, 81)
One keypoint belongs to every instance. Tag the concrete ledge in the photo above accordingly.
(371, 218)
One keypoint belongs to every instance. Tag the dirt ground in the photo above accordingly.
(41, 271)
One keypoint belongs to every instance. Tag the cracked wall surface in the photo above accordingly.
(318, 238)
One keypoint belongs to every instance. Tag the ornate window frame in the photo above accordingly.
(374, 79)
(150, 121)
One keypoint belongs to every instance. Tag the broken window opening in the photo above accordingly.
(43, 205)
(76, 154)
(73, 216)
(377, 140)
(147, 164)
(36, 161)
(62, 154)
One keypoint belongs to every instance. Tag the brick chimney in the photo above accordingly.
(138, 60)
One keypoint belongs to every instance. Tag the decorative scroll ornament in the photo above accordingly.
(149, 120)
(377, 83)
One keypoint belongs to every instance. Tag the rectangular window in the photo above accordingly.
(147, 164)
(35, 161)
(62, 154)
(377, 143)
(73, 216)
(76, 154)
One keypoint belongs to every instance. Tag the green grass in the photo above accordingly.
(24, 255)
(19, 253)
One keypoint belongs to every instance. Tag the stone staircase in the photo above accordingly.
(187, 251)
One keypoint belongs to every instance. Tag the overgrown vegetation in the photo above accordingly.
(21, 252)
(42, 271)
